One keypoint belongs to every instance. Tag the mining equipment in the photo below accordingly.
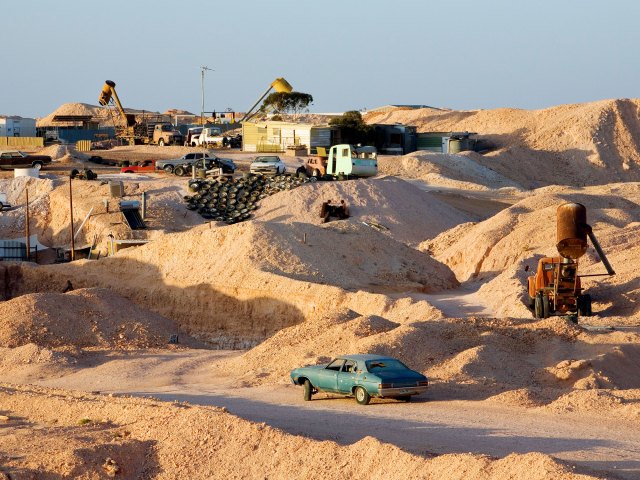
(555, 289)
(280, 85)
(137, 132)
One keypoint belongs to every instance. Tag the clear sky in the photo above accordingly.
(349, 54)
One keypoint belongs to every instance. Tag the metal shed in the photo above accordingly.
(15, 126)
(396, 139)
(277, 136)
(446, 142)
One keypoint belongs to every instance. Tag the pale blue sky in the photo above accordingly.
(348, 54)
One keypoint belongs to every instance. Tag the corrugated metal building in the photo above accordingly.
(277, 136)
(15, 126)
(396, 139)
(446, 142)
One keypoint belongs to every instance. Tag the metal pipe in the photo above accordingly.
(82, 224)
(27, 224)
(598, 248)
(73, 243)
(144, 205)
(248, 114)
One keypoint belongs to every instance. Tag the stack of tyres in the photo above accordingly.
(232, 200)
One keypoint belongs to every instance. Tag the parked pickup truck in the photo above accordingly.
(142, 167)
(10, 159)
(209, 137)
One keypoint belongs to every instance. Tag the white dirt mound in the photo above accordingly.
(237, 285)
(81, 318)
(587, 144)
(456, 171)
(410, 214)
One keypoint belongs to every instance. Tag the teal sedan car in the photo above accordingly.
(361, 376)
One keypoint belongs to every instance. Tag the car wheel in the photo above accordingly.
(362, 396)
(161, 142)
(307, 390)
(168, 169)
(37, 165)
(316, 173)
(179, 171)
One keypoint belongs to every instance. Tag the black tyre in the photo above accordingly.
(179, 171)
(545, 306)
(362, 396)
(584, 305)
(74, 173)
(537, 309)
(404, 398)
(307, 391)
(168, 169)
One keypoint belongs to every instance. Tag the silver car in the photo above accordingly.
(268, 165)
(189, 158)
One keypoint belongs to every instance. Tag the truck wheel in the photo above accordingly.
(532, 302)
(362, 396)
(161, 142)
(307, 390)
(538, 311)
(584, 305)
(545, 306)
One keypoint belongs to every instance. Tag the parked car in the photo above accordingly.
(268, 165)
(10, 159)
(225, 164)
(189, 158)
(361, 376)
(146, 166)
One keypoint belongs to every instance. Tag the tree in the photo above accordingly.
(283, 102)
(353, 128)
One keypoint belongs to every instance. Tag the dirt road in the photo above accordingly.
(426, 426)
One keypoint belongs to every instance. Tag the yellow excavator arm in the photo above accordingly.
(108, 92)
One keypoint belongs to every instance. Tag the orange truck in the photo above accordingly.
(555, 288)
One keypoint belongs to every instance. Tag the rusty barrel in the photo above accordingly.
(572, 230)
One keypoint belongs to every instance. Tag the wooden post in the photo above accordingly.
(73, 243)
(27, 232)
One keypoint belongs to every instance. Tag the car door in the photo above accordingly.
(5, 160)
(347, 376)
(327, 378)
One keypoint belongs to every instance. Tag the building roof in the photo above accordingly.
(393, 106)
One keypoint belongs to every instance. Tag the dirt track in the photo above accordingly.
(431, 424)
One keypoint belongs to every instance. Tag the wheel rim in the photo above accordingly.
(360, 394)
(37, 166)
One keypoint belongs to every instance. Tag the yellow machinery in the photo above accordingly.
(108, 96)
(280, 85)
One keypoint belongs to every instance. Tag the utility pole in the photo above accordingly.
(27, 232)
(73, 242)
(203, 69)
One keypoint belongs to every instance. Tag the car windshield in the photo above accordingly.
(167, 128)
(268, 159)
(385, 364)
